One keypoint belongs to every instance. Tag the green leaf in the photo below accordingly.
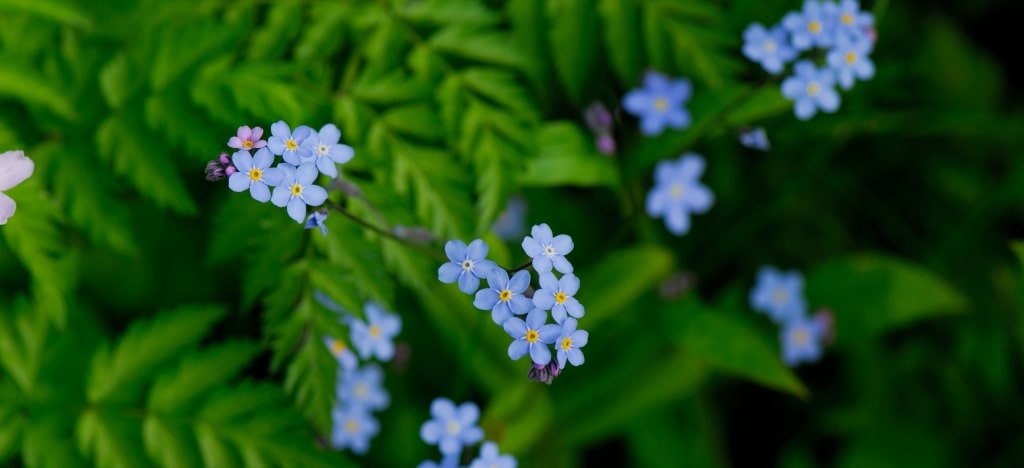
(870, 294)
(181, 47)
(55, 10)
(12, 426)
(170, 444)
(605, 291)
(47, 442)
(568, 157)
(393, 88)
(502, 88)
(111, 440)
(495, 162)
(119, 80)
(350, 252)
(443, 12)
(26, 85)
(442, 191)
(325, 34)
(572, 36)
(416, 120)
(273, 38)
(481, 46)
(22, 341)
(621, 28)
(176, 389)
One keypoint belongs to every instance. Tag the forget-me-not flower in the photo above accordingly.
(247, 138)
(849, 59)
(297, 190)
(755, 139)
(288, 144)
(374, 338)
(490, 458)
(769, 47)
(347, 360)
(531, 336)
(812, 89)
(452, 428)
(255, 174)
(779, 294)
(362, 387)
(851, 21)
(325, 150)
(448, 461)
(801, 340)
(569, 342)
(509, 224)
(814, 26)
(677, 192)
(14, 169)
(352, 427)
(316, 220)
(467, 265)
(659, 103)
(556, 295)
(504, 296)
(548, 251)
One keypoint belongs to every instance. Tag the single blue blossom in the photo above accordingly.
(556, 295)
(755, 139)
(316, 220)
(374, 338)
(677, 192)
(352, 427)
(812, 89)
(659, 103)
(548, 251)
(503, 296)
(297, 190)
(14, 169)
(849, 59)
(467, 265)
(363, 387)
(452, 428)
(814, 26)
(347, 360)
(447, 461)
(510, 223)
(325, 150)
(779, 294)
(254, 173)
(768, 47)
(569, 343)
(801, 340)
(852, 22)
(490, 458)
(288, 144)
(531, 336)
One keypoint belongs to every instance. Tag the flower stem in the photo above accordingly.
(385, 233)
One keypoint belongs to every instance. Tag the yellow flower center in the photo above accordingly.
(337, 347)
(504, 295)
(255, 174)
(813, 89)
(560, 297)
(800, 336)
(374, 331)
(290, 144)
(676, 191)
(296, 190)
(566, 343)
(660, 104)
(532, 336)
(770, 46)
(780, 296)
(454, 427)
(351, 426)
(846, 18)
(247, 144)
(851, 57)
(360, 391)
(814, 27)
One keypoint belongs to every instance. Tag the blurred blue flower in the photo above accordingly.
(352, 427)
(510, 223)
(255, 174)
(659, 103)
(362, 387)
(801, 340)
(490, 458)
(814, 26)
(755, 139)
(448, 461)
(287, 143)
(770, 48)
(569, 343)
(849, 59)
(296, 190)
(852, 22)
(556, 295)
(677, 192)
(548, 251)
(374, 338)
(452, 428)
(324, 149)
(316, 220)
(467, 265)
(812, 89)
(504, 297)
(779, 294)
(531, 336)
(347, 360)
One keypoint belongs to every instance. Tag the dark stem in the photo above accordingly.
(522, 267)
(388, 234)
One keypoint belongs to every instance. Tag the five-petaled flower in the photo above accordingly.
(296, 190)
(467, 265)
(352, 427)
(556, 295)
(548, 251)
(531, 336)
(288, 144)
(769, 47)
(801, 340)
(814, 26)
(14, 169)
(812, 89)
(569, 342)
(504, 296)
(347, 360)
(852, 22)
(254, 173)
(779, 294)
(849, 58)
(363, 387)
(452, 428)
(373, 338)
(659, 103)
(323, 146)
(247, 139)
(490, 458)
(677, 192)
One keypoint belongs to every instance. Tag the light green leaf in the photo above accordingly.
(606, 292)
(482, 46)
(325, 34)
(83, 186)
(273, 38)
(55, 10)
(568, 157)
(416, 120)
(503, 88)
(119, 80)
(572, 37)
(170, 444)
(111, 440)
(176, 389)
(393, 88)
(621, 28)
(26, 85)
(497, 164)
(441, 187)
(442, 12)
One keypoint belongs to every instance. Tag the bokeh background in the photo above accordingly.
(148, 316)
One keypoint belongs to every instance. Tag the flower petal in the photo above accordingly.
(456, 250)
(515, 327)
(540, 354)
(239, 182)
(329, 134)
(306, 173)
(573, 307)
(519, 282)
(477, 250)
(536, 319)
(263, 158)
(281, 194)
(485, 298)
(549, 333)
(542, 233)
(580, 338)
(449, 272)
(548, 282)
(242, 161)
(561, 264)
(314, 195)
(575, 356)
(7, 208)
(442, 409)
(469, 283)
(297, 209)
(518, 348)
(500, 314)
(273, 176)
(342, 154)
(532, 247)
(569, 284)
(327, 167)
(520, 304)
(542, 264)
(261, 193)
(544, 298)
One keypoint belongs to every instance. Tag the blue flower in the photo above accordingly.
(778, 294)
(852, 22)
(325, 150)
(812, 89)
(373, 338)
(531, 336)
(448, 461)
(490, 458)
(452, 428)
(569, 343)
(677, 192)
(316, 219)
(556, 295)
(297, 190)
(347, 360)
(509, 224)
(548, 251)
(849, 58)
(467, 265)
(755, 139)
(801, 340)
(255, 174)
(770, 48)
(284, 142)
(659, 103)
(504, 297)
(814, 26)
(14, 169)
(362, 387)
(352, 427)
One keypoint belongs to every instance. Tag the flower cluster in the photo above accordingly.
(677, 192)
(524, 316)
(659, 103)
(845, 34)
(306, 154)
(359, 390)
(14, 169)
(779, 295)
(453, 428)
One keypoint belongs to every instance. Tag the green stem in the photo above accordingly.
(385, 233)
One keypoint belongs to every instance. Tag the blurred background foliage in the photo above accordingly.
(150, 317)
